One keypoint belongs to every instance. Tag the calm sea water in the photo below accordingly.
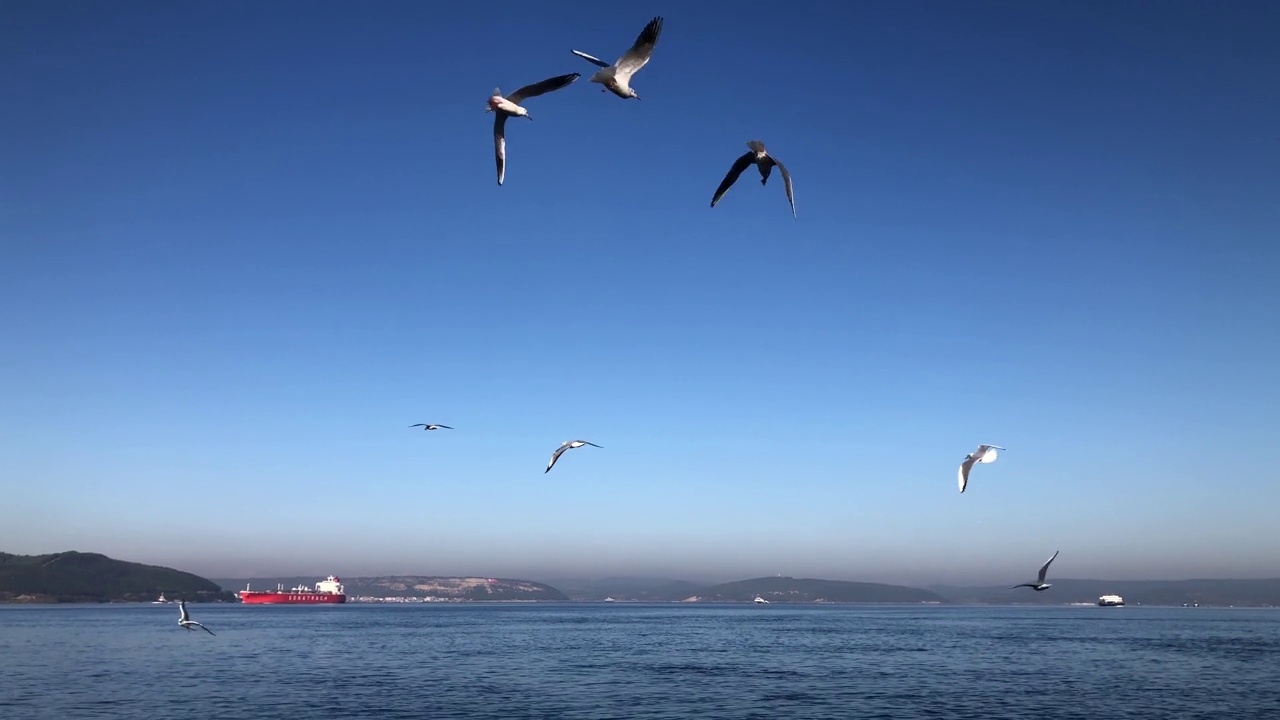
(638, 661)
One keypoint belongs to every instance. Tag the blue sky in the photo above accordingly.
(244, 245)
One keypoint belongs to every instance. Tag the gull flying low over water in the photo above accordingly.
(984, 454)
(617, 77)
(509, 106)
(763, 161)
(1040, 585)
(185, 621)
(426, 426)
(566, 445)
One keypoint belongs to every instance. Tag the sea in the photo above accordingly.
(631, 660)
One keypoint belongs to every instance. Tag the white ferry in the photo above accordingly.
(1110, 601)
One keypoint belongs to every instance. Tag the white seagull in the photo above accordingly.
(1040, 585)
(617, 77)
(566, 445)
(758, 156)
(984, 454)
(185, 621)
(505, 107)
(425, 426)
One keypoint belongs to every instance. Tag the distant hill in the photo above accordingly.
(773, 589)
(1241, 593)
(627, 588)
(786, 589)
(419, 586)
(91, 577)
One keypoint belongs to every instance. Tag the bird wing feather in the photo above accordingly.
(590, 58)
(500, 144)
(1045, 568)
(786, 183)
(638, 56)
(964, 472)
(543, 87)
(556, 456)
(736, 170)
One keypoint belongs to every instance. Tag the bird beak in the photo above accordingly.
(530, 117)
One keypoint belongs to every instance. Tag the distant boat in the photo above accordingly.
(161, 601)
(760, 600)
(1110, 601)
(609, 599)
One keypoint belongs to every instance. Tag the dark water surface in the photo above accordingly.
(638, 661)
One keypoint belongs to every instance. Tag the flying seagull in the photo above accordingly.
(617, 77)
(566, 445)
(185, 621)
(1040, 585)
(425, 426)
(984, 454)
(764, 162)
(505, 107)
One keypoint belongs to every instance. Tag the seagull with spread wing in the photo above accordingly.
(185, 621)
(1040, 585)
(566, 445)
(764, 162)
(426, 426)
(617, 77)
(509, 106)
(984, 454)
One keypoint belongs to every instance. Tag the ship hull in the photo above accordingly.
(253, 597)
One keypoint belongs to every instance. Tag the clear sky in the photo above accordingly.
(244, 245)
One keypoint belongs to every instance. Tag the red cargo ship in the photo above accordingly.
(328, 590)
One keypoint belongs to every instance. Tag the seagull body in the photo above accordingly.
(616, 78)
(509, 106)
(984, 454)
(1040, 585)
(425, 426)
(566, 445)
(763, 161)
(185, 621)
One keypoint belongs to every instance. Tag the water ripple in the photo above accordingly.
(640, 661)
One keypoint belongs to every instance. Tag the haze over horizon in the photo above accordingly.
(244, 246)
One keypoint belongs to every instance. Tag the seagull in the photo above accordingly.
(1040, 585)
(617, 77)
(425, 426)
(185, 621)
(566, 445)
(984, 454)
(505, 107)
(764, 162)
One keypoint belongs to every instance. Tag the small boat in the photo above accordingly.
(1110, 601)
(161, 601)
(760, 601)
(609, 599)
